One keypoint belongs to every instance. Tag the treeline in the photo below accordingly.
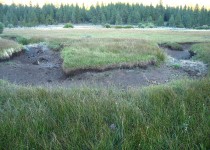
(120, 13)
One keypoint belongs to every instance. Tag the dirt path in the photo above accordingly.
(39, 66)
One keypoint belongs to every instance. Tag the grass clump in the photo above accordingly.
(173, 46)
(55, 46)
(68, 25)
(174, 116)
(105, 53)
(8, 48)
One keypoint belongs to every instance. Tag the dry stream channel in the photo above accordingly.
(37, 65)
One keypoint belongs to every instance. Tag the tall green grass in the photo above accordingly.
(93, 53)
(202, 51)
(174, 116)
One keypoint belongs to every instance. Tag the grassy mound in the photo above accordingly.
(8, 48)
(100, 54)
(174, 116)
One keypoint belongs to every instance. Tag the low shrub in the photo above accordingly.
(107, 26)
(205, 27)
(146, 25)
(22, 40)
(10, 26)
(141, 25)
(68, 25)
(150, 25)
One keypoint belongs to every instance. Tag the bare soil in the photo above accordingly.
(39, 66)
(184, 55)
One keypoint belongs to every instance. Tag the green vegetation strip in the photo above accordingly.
(100, 54)
(174, 116)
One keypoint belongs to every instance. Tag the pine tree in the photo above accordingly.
(118, 19)
(178, 20)
(160, 21)
(149, 19)
(171, 21)
(118, 13)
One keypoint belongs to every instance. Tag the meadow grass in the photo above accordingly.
(89, 53)
(103, 48)
(170, 116)
(173, 116)
(154, 35)
(8, 48)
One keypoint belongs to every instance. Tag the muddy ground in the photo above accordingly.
(39, 66)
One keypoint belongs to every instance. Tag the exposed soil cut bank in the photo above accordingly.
(39, 66)
(142, 65)
(181, 60)
(36, 65)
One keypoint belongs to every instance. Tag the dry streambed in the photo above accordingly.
(37, 65)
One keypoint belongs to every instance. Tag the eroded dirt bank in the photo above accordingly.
(39, 66)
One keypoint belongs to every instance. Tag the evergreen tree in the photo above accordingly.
(171, 21)
(1, 27)
(118, 13)
(149, 19)
(118, 19)
(178, 20)
(160, 21)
